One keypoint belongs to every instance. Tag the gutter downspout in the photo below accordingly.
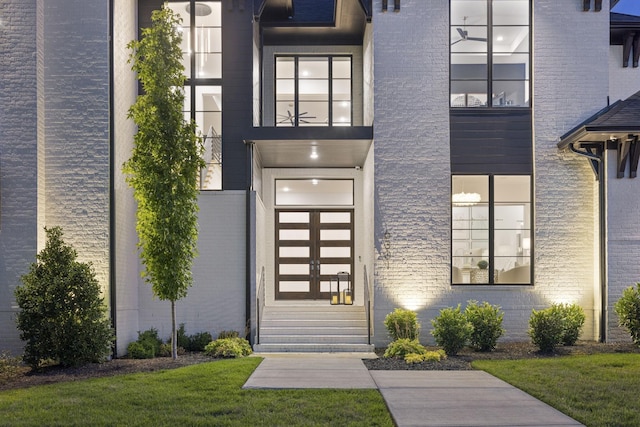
(602, 217)
(248, 275)
(112, 196)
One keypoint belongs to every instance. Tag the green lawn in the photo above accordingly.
(597, 390)
(198, 395)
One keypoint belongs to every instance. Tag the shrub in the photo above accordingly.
(402, 323)
(62, 314)
(136, 350)
(487, 325)
(428, 356)
(228, 348)
(628, 310)
(181, 337)
(150, 339)
(228, 334)
(198, 342)
(572, 320)
(9, 367)
(403, 346)
(451, 330)
(546, 329)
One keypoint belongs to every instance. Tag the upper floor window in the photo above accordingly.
(491, 229)
(202, 59)
(313, 90)
(490, 53)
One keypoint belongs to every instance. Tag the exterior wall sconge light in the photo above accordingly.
(396, 5)
(586, 5)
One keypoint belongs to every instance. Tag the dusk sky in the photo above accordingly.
(629, 7)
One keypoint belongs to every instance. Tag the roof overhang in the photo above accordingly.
(332, 147)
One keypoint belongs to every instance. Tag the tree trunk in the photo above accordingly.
(174, 335)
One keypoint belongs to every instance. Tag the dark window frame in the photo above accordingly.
(491, 229)
(330, 101)
(490, 51)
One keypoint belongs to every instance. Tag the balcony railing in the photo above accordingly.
(211, 175)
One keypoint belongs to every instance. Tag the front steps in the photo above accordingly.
(314, 329)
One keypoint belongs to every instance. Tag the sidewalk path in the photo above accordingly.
(414, 398)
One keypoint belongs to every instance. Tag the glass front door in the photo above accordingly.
(312, 246)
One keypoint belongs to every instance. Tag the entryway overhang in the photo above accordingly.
(615, 127)
(313, 147)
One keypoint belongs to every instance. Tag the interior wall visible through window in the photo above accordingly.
(491, 229)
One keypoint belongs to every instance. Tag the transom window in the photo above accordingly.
(313, 91)
(490, 53)
(491, 229)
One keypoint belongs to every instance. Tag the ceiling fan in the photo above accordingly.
(464, 34)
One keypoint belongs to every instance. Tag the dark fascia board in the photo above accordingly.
(579, 131)
(311, 133)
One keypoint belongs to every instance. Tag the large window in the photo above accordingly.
(202, 59)
(491, 229)
(313, 91)
(490, 53)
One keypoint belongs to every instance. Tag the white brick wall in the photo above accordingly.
(18, 157)
(127, 270)
(412, 164)
(623, 82)
(412, 172)
(74, 127)
(216, 301)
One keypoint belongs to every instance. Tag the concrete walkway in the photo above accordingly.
(414, 398)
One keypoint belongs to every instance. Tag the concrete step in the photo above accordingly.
(313, 328)
(313, 339)
(313, 348)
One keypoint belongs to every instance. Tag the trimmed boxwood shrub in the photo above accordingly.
(486, 320)
(451, 330)
(402, 323)
(572, 321)
(628, 310)
(546, 329)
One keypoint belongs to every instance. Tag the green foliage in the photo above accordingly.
(402, 323)
(62, 314)
(147, 346)
(483, 264)
(403, 346)
(199, 395)
(137, 350)
(628, 310)
(228, 347)
(195, 342)
(572, 321)
(9, 367)
(546, 329)
(451, 330)
(487, 325)
(228, 334)
(182, 337)
(165, 162)
(427, 356)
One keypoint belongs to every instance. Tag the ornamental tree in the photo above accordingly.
(165, 163)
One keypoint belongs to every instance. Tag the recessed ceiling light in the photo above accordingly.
(305, 73)
(500, 38)
(314, 155)
(285, 189)
(314, 181)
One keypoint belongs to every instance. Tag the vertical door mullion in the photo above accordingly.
(491, 229)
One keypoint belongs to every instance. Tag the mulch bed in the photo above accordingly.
(56, 374)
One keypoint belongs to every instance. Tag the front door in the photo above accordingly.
(312, 246)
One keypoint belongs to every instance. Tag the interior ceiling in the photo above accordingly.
(291, 22)
(297, 153)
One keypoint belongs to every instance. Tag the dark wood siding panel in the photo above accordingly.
(491, 142)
